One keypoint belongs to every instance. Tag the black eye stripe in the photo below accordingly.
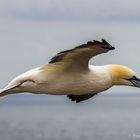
(133, 78)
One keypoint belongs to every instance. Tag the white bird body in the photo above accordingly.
(97, 79)
(79, 83)
(68, 73)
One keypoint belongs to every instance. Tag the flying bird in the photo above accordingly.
(69, 73)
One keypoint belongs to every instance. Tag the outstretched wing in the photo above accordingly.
(78, 57)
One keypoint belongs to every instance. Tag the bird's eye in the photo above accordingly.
(133, 78)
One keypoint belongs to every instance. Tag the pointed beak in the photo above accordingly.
(135, 81)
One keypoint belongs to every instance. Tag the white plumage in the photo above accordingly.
(68, 73)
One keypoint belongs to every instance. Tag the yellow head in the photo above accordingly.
(122, 75)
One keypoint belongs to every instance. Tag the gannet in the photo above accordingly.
(69, 73)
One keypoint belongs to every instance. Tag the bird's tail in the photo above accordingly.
(2, 96)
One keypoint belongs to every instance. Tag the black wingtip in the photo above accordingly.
(97, 42)
(112, 48)
(104, 41)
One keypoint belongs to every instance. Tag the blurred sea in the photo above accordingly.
(43, 117)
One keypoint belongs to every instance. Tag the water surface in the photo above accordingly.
(105, 117)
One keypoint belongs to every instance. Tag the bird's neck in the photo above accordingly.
(102, 75)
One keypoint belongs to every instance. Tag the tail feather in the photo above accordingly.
(2, 96)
